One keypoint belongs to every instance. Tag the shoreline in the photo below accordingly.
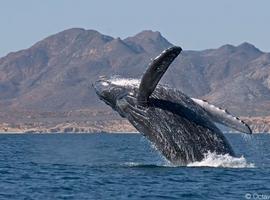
(89, 127)
(257, 124)
(61, 133)
(90, 133)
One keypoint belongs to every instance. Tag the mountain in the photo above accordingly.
(55, 75)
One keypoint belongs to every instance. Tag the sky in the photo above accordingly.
(191, 24)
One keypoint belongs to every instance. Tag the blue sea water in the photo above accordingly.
(125, 166)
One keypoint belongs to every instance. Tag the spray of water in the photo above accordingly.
(247, 137)
(125, 81)
(227, 161)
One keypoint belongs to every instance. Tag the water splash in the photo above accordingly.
(247, 137)
(226, 161)
(210, 160)
(125, 81)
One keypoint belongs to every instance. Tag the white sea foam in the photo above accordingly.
(210, 160)
(226, 161)
(132, 164)
(125, 82)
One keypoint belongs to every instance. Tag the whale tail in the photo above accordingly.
(154, 73)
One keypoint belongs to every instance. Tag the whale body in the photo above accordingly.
(182, 128)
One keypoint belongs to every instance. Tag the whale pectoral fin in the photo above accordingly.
(221, 116)
(154, 72)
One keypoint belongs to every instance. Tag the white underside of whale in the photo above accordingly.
(223, 117)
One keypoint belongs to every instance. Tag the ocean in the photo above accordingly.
(126, 166)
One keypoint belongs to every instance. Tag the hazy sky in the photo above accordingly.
(192, 24)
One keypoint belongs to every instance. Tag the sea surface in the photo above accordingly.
(126, 166)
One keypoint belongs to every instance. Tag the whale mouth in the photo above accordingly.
(105, 101)
(100, 92)
(106, 92)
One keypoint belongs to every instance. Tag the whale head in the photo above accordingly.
(113, 89)
(108, 92)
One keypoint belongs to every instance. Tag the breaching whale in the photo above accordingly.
(182, 128)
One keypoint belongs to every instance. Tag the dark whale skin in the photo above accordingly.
(178, 127)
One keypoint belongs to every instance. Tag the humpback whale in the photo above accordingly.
(183, 129)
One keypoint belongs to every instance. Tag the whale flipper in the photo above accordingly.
(221, 116)
(154, 72)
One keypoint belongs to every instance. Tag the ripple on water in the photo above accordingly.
(104, 166)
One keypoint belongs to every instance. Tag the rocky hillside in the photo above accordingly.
(55, 74)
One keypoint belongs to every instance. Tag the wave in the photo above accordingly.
(144, 165)
(210, 160)
(223, 161)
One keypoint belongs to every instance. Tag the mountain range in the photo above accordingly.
(53, 77)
